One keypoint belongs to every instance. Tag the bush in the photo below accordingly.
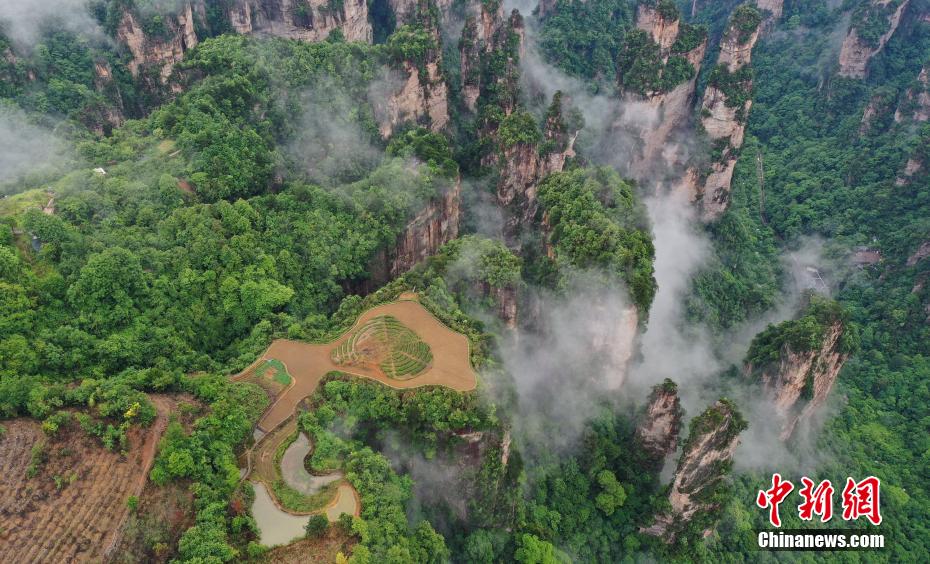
(317, 526)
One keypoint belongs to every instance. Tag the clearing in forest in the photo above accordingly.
(400, 344)
(269, 374)
(64, 498)
(444, 354)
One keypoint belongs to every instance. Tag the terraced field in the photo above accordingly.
(385, 343)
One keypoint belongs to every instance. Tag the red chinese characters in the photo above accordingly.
(817, 501)
(860, 499)
(771, 498)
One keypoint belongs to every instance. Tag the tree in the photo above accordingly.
(317, 526)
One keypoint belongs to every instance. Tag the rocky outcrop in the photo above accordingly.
(857, 50)
(304, 20)
(725, 111)
(113, 114)
(487, 36)
(435, 225)
(417, 91)
(706, 459)
(419, 99)
(523, 167)
(162, 52)
(920, 254)
(916, 103)
(661, 21)
(658, 428)
(773, 7)
(659, 113)
(794, 372)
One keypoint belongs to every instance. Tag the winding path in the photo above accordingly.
(308, 363)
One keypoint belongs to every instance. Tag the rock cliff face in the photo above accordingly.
(707, 456)
(481, 33)
(310, 20)
(434, 225)
(670, 110)
(916, 103)
(725, 111)
(523, 168)
(858, 51)
(111, 115)
(663, 28)
(920, 254)
(660, 424)
(773, 7)
(161, 53)
(485, 30)
(421, 95)
(799, 381)
(419, 99)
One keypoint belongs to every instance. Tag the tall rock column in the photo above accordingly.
(161, 52)
(658, 427)
(705, 461)
(303, 20)
(862, 44)
(421, 94)
(725, 111)
(797, 361)
(526, 158)
(658, 68)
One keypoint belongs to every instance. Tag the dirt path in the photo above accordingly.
(164, 405)
(308, 363)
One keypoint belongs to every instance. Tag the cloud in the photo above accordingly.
(24, 21)
(27, 149)
(329, 146)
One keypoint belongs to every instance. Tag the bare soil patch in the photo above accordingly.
(74, 506)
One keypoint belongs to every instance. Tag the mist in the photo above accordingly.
(24, 22)
(329, 145)
(27, 149)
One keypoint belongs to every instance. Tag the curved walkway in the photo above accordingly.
(307, 364)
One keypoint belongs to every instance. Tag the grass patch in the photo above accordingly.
(293, 500)
(280, 372)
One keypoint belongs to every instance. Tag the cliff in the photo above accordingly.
(112, 114)
(916, 102)
(312, 20)
(434, 225)
(705, 461)
(674, 52)
(158, 52)
(660, 21)
(524, 164)
(419, 99)
(773, 7)
(725, 111)
(421, 95)
(862, 42)
(658, 427)
(797, 362)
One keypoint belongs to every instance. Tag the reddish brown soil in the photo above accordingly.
(83, 519)
(308, 363)
(320, 550)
